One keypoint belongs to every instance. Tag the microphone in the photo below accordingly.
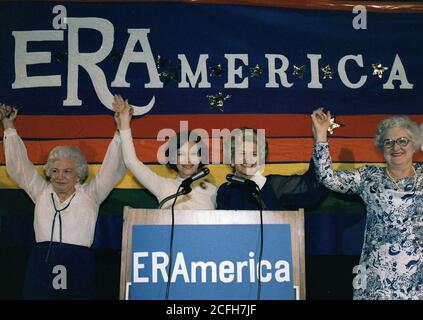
(186, 184)
(240, 180)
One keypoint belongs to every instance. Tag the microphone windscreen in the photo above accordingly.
(235, 178)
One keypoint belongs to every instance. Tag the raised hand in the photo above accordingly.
(123, 112)
(320, 124)
(7, 116)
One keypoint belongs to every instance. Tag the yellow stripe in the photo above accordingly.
(217, 175)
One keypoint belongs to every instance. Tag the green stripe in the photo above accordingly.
(217, 175)
(135, 198)
(16, 202)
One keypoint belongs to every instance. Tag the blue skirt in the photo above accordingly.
(60, 271)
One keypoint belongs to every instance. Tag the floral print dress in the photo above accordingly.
(391, 260)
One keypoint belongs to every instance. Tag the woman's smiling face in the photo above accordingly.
(398, 156)
(188, 159)
(246, 161)
(63, 176)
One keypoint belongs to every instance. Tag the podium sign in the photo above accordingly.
(211, 262)
(215, 255)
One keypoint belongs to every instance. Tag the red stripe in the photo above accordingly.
(280, 150)
(276, 125)
(379, 6)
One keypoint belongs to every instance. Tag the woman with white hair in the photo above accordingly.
(391, 263)
(61, 265)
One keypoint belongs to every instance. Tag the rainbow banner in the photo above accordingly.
(216, 64)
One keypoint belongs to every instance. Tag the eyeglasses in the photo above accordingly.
(389, 143)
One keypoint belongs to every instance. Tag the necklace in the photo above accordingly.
(408, 187)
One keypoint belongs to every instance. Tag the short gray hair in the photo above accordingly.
(68, 152)
(404, 122)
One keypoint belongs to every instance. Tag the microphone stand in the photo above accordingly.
(186, 185)
(176, 195)
(256, 195)
(185, 190)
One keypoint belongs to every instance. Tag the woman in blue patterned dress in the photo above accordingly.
(391, 262)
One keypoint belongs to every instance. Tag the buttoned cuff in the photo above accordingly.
(10, 132)
(125, 134)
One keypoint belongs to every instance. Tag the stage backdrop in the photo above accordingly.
(215, 64)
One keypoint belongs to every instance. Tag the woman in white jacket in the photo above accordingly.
(65, 213)
(184, 159)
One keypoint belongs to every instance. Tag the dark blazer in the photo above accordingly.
(278, 193)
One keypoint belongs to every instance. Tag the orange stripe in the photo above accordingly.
(280, 150)
(379, 6)
(276, 125)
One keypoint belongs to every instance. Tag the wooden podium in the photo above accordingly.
(295, 219)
